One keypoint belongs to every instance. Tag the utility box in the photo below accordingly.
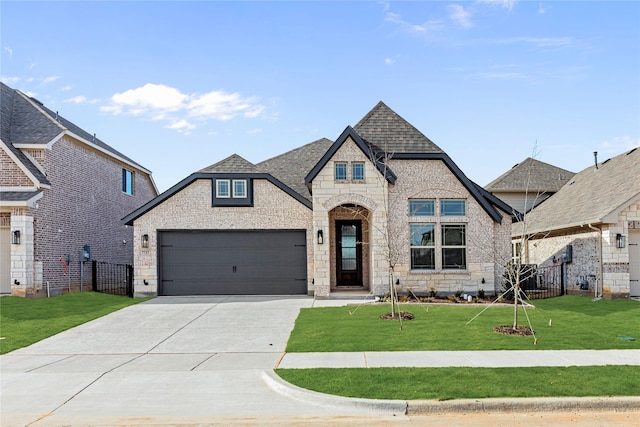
(568, 253)
(86, 253)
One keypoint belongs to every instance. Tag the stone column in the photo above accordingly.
(22, 255)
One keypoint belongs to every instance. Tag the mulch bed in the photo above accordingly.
(509, 330)
(404, 315)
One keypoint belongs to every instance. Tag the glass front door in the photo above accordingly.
(349, 253)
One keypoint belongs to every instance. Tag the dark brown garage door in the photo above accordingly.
(233, 262)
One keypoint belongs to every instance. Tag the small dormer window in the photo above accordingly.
(222, 189)
(239, 188)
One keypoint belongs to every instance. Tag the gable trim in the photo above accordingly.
(22, 166)
(129, 219)
(350, 132)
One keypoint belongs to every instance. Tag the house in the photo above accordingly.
(592, 225)
(61, 189)
(528, 183)
(381, 203)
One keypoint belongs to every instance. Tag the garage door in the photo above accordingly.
(233, 262)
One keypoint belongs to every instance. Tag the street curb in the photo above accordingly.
(528, 404)
(374, 406)
(457, 406)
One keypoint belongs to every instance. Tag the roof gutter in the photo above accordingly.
(599, 230)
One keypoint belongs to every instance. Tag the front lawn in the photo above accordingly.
(26, 321)
(576, 323)
(468, 383)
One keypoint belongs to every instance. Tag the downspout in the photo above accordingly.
(600, 278)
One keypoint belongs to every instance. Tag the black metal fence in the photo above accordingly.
(115, 279)
(544, 282)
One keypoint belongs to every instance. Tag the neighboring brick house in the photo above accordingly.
(60, 189)
(528, 184)
(597, 214)
(326, 217)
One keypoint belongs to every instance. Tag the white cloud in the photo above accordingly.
(460, 15)
(413, 28)
(620, 144)
(50, 79)
(541, 9)
(507, 4)
(9, 51)
(539, 41)
(254, 131)
(389, 61)
(10, 80)
(81, 100)
(66, 88)
(161, 102)
(503, 75)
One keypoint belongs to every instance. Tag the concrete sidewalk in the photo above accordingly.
(476, 359)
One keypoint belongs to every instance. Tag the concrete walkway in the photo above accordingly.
(476, 359)
(199, 360)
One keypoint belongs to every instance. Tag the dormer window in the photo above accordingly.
(232, 192)
(222, 189)
(239, 188)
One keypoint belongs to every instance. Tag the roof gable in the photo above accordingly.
(385, 129)
(591, 196)
(531, 175)
(232, 164)
(376, 156)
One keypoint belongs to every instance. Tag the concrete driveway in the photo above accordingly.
(164, 361)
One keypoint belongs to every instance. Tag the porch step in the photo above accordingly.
(352, 295)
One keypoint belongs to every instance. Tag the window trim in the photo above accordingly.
(433, 246)
(218, 194)
(335, 171)
(443, 246)
(244, 189)
(353, 171)
(128, 182)
(444, 201)
(414, 212)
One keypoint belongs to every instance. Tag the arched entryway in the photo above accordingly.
(350, 252)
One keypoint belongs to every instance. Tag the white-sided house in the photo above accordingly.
(597, 215)
(380, 203)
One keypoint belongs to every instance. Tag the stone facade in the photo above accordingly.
(190, 209)
(83, 206)
(384, 211)
(596, 257)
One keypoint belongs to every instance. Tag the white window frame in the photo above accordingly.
(238, 194)
(432, 246)
(443, 246)
(464, 204)
(433, 207)
(219, 195)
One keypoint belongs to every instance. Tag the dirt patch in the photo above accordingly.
(400, 315)
(509, 330)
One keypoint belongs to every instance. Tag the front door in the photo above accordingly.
(349, 253)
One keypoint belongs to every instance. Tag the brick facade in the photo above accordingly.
(84, 205)
(10, 173)
(190, 209)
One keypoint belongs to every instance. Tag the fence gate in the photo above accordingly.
(546, 281)
(115, 279)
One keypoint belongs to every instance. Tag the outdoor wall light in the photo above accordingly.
(145, 241)
(621, 241)
(15, 237)
(320, 237)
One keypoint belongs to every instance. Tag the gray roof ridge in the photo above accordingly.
(41, 108)
(239, 164)
(293, 150)
(531, 163)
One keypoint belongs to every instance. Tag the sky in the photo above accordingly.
(178, 86)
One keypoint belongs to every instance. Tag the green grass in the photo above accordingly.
(577, 323)
(468, 383)
(26, 321)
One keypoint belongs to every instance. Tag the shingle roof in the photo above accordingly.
(291, 167)
(18, 196)
(385, 129)
(26, 120)
(232, 164)
(590, 196)
(531, 175)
